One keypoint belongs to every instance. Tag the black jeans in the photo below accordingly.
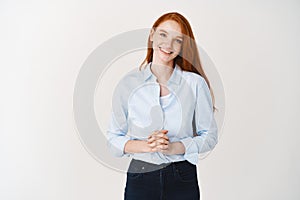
(174, 181)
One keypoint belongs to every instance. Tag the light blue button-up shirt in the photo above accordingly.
(186, 112)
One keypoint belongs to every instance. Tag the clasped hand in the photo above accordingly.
(158, 141)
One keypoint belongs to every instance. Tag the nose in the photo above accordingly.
(169, 43)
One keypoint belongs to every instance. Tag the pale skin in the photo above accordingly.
(167, 42)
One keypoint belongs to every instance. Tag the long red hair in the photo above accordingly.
(188, 59)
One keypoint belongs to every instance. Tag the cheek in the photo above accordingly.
(158, 40)
(177, 47)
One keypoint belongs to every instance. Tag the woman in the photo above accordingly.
(163, 115)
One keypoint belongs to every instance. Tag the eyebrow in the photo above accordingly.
(162, 30)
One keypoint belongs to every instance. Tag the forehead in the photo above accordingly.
(170, 26)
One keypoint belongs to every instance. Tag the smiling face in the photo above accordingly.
(167, 41)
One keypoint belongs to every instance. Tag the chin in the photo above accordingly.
(166, 60)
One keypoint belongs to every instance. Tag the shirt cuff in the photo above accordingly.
(117, 148)
(191, 150)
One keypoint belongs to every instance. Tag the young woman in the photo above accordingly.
(163, 115)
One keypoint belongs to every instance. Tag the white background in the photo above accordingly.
(254, 45)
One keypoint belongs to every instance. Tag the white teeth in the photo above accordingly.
(169, 52)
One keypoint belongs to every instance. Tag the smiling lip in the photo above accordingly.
(165, 51)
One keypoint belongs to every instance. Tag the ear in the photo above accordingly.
(151, 34)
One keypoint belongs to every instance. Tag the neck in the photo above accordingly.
(162, 72)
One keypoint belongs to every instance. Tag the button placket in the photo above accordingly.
(158, 102)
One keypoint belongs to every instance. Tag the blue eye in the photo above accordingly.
(179, 41)
(163, 35)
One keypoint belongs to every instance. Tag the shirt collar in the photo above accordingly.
(175, 77)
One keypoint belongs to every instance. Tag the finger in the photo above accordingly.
(159, 145)
(155, 149)
(161, 135)
(162, 148)
(152, 138)
(159, 140)
(154, 144)
(153, 133)
(156, 137)
(164, 131)
(158, 132)
(162, 141)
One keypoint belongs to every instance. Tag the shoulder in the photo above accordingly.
(133, 75)
(193, 78)
(130, 80)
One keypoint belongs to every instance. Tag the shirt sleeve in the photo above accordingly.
(118, 127)
(206, 127)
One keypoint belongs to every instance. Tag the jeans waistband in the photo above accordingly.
(139, 166)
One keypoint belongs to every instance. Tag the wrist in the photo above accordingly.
(176, 148)
(145, 146)
(136, 146)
